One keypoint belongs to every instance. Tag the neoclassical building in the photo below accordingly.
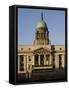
(40, 55)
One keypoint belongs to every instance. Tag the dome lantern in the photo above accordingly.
(41, 23)
(41, 15)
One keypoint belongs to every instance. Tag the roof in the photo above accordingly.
(41, 23)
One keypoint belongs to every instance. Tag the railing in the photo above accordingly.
(42, 67)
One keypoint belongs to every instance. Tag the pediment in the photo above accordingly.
(41, 51)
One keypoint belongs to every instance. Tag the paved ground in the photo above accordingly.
(44, 75)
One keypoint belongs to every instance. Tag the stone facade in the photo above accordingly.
(40, 55)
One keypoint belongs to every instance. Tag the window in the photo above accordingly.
(21, 48)
(41, 59)
(42, 35)
(29, 58)
(60, 61)
(29, 48)
(60, 48)
(47, 57)
(36, 59)
(37, 35)
(21, 62)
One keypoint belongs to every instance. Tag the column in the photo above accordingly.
(50, 62)
(56, 61)
(25, 63)
(47, 60)
(63, 60)
(33, 60)
(39, 59)
(44, 59)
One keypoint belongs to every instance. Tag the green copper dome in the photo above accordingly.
(41, 23)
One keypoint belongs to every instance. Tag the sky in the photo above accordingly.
(28, 19)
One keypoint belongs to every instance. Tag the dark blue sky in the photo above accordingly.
(28, 19)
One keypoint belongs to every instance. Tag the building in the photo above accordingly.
(40, 55)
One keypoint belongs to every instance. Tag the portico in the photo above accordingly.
(42, 57)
